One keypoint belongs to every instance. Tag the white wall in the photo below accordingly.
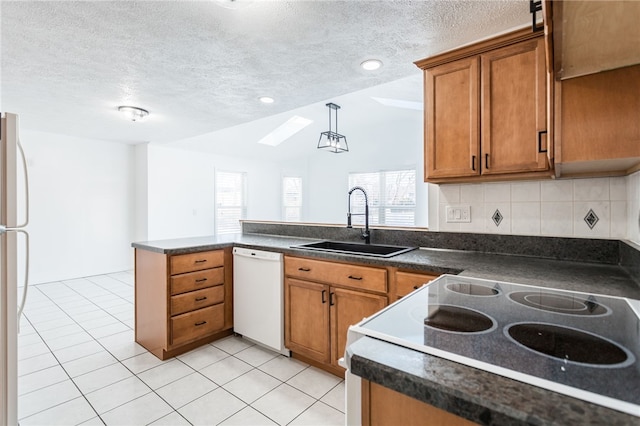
(373, 147)
(548, 207)
(81, 204)
(181, 191)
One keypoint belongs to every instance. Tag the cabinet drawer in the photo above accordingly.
(197, 280)
(409, 281)
(354, 276)
(196, 261)
(196, 324)
(196, 299)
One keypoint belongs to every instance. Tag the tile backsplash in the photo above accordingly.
(586, 208)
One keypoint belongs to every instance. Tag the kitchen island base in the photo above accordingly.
(182, 301)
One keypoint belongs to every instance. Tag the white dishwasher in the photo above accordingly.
(258, 297)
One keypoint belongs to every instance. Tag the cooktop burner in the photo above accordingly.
(583, 345)
(570, 305)
(457, 319)
(472, 290)
(568, 344)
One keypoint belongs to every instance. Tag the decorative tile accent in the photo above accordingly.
(591, 218)
(497, 217)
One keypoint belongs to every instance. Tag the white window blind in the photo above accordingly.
(292, 199)
(391, 194)
(230, 201)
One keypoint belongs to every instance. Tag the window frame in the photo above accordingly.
(242, 206)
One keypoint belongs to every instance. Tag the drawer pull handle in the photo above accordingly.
(201, 280)
(351, 277)
(331, 302)
(540, 133)
(201, 261)
(200, 299)
(304, 269)
(200, 323)
(415, 287)
(324, 292)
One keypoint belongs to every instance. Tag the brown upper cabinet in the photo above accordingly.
(594, 36)
(487, 111)
(599, 128)
(597, 87)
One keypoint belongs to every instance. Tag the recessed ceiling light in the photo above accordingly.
(371, 64)
(266, 99)
(133, 113)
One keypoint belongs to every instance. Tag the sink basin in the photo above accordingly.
(376, 250)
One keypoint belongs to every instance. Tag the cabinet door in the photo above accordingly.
(406, 282)
(347, 308)
(514, 109)
(600, 119)
(307, 319)
(383, 406)
(452, 131)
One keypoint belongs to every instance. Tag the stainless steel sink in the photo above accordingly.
(376, 250)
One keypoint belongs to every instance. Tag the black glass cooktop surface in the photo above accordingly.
(582, 345)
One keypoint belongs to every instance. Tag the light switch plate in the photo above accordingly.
(458, 214)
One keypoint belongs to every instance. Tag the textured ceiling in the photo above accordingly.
(199, 66)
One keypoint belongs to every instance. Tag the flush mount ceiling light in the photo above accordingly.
(233, 4)
(266, 99)
(332, 140)
(133, 113)
(371, 64)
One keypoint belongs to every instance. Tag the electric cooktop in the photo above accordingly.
(583, 345)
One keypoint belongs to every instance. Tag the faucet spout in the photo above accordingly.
(366, 234)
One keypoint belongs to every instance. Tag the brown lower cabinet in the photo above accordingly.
(182, 301)
(322, 299)
(382, 406)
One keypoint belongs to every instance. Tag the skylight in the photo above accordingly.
(285, 131)
(398, 103)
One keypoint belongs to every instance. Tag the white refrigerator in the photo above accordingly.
(12, 168)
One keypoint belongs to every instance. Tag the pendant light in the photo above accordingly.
(332, 140)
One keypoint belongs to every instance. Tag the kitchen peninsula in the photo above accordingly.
(596, 266)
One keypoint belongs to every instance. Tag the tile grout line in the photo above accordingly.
(58, 360)
(53, 301)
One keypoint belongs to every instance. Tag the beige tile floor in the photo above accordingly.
(78, 364)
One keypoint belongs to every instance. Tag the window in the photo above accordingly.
(391, 194)
(231, 203)
(291, 199)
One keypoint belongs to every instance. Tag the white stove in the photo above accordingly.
(583, 345)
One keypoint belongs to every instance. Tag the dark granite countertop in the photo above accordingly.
(483, 397)
(477, 395)
(569, 275)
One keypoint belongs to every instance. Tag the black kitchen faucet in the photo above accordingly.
(366, 235)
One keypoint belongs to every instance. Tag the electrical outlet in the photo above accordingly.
(458, 214)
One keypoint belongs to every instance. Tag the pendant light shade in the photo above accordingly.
(332, 140)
